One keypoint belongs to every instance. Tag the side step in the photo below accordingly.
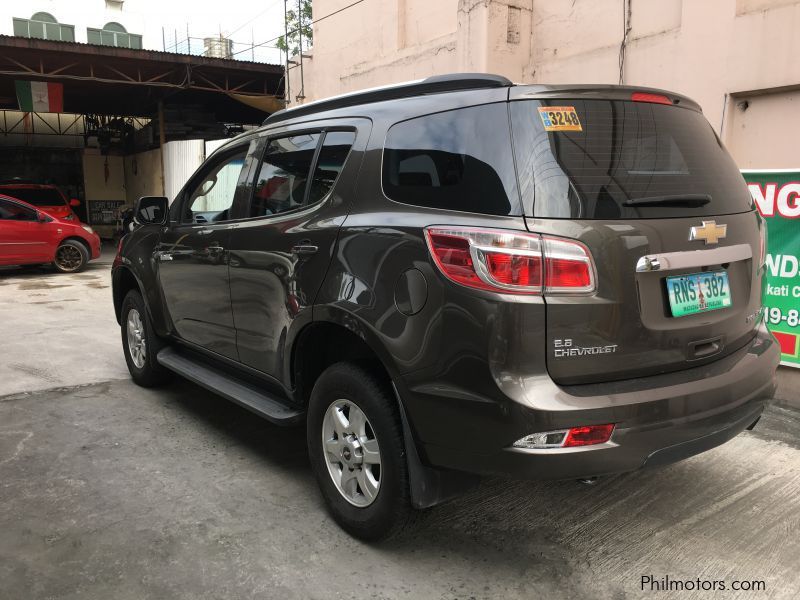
(243, 393)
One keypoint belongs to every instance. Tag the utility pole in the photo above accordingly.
(301, 96)
(288, 93)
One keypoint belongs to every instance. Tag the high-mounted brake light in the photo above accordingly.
(504, 261)
(585, 435)
(653, 98)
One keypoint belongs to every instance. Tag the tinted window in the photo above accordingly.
(456, 160)
(212, 196)
(625, 152)
(36, 196)
(11, 211)
(283, 176)
(335, 148)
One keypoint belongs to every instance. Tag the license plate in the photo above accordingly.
(698, 292)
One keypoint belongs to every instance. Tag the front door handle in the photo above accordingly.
(305, 249)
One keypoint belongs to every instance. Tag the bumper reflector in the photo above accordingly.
(586, 435)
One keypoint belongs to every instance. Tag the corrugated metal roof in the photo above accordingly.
(98, 49)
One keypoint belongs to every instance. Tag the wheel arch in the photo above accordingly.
(123, 281)
(343, 337)
(83, 242)
(338, 337)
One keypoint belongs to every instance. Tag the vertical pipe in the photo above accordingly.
(287, 95)
(301, 95)
(161, 141)
(163, 40)
(188, 40)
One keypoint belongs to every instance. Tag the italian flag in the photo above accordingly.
(40, 96)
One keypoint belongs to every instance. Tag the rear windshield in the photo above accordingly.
(615, 159)
(454, 160)
(35, 196)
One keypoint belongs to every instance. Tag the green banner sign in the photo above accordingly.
(777, 196)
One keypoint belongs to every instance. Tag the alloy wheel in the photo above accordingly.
(68, 258)
(352, 453)
(136, 340)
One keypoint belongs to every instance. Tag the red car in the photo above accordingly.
(30, 236)
(43, 196)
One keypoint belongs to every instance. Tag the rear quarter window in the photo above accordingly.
(623, 152)
(457, 160)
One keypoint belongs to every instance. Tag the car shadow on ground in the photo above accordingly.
(510, 525)
(49, 274)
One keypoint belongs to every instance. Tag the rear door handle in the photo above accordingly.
(305, 249)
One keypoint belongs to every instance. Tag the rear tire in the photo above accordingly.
(140, 343)
(368, 507)
(71, 257)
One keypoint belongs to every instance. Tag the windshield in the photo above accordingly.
(36, 196)
(615, 159)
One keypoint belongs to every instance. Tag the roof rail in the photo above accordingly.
(432, 85)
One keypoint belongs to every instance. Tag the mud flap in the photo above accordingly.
(430, 486)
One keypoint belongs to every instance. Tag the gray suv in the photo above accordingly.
(460, 277)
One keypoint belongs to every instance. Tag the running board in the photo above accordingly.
(243, 393)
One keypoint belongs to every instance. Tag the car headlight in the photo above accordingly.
(87, 228)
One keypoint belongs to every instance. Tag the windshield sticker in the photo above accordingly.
(560, 118)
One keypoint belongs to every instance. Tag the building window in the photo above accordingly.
(113, 34)
(43, 26)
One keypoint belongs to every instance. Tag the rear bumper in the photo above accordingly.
(658, 420)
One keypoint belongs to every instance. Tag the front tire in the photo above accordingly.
(355, 443)
(140, 343)
(71, 257)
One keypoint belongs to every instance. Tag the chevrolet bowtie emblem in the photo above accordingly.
(709, 231)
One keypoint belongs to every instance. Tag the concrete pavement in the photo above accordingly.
(112, 491)
(108, 490)
(58, 329)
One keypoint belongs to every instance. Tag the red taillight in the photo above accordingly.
(762, 234)
(654, 98)
(509, 262)
(453, 257)
(488, 259)
(568, 267)
(513, 270)
(588, 435)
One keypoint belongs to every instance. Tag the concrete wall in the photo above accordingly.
(143, 175)
(103, 176)
(378, 42)
(718, 52)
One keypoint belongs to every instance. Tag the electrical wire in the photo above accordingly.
(250, 20)
(336, 12)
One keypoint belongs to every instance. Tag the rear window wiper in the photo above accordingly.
(673, 200)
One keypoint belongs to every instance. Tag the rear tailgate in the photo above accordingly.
(631, 180)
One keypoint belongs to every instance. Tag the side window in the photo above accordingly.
(455, 160)
(282, 179)
(211, 199)
(335, 148)
(11, 211)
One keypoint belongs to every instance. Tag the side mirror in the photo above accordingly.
(151, 210)
(41, 217)
(74, 202)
